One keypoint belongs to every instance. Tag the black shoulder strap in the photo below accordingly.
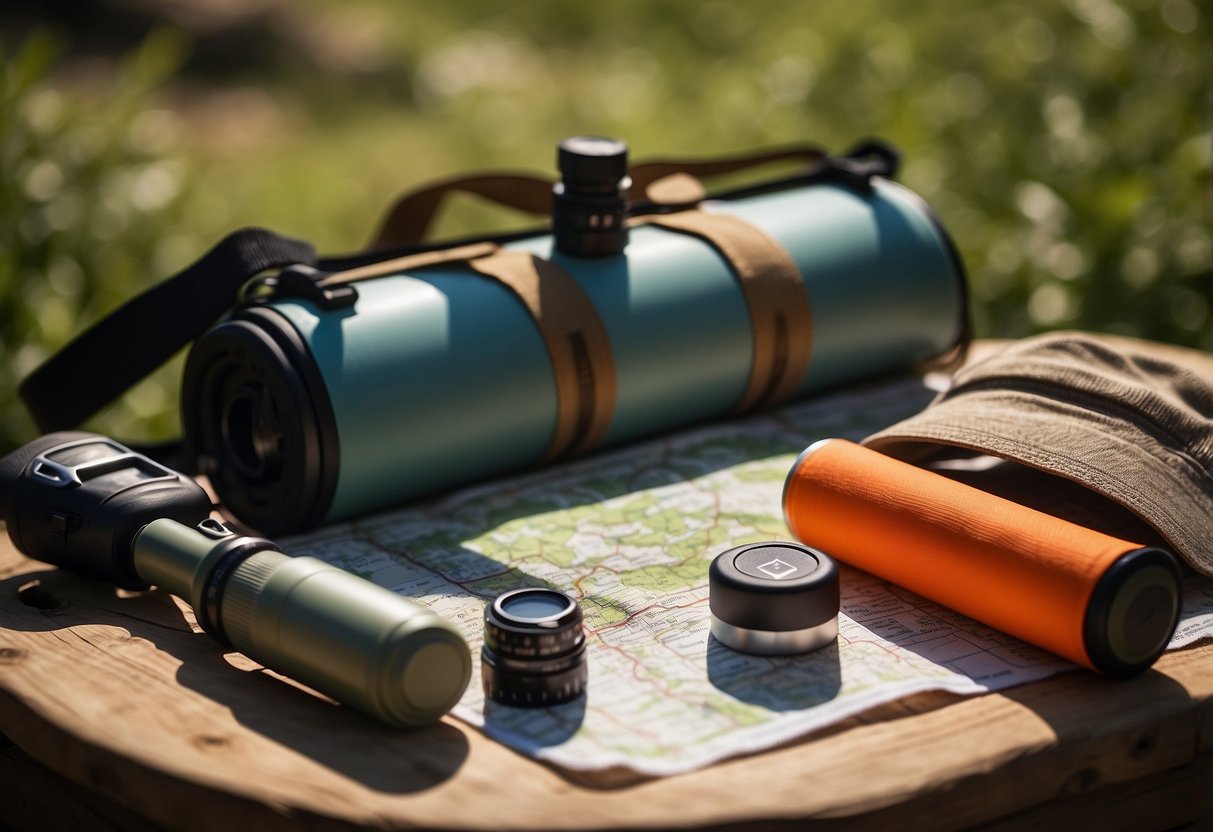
(126, 346)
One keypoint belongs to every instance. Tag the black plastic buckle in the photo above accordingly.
(300, 281)
(860, 164)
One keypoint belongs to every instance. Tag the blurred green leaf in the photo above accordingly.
(31, 61)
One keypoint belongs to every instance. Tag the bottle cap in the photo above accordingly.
(774, 598)
(592, 162)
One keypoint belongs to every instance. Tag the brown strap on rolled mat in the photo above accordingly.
(572, 331)
(780, 316)
(409, 262)
(576, 340)
(409, 219)
(676, 190)
(645, 173)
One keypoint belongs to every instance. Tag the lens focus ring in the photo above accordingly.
(534, 648)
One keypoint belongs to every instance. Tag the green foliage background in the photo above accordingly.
(1065, 145)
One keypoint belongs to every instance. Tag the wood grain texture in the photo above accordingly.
(119, 694)
(36, 798)
(1169, 799)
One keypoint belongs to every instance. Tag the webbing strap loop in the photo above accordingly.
(780, 316)
(408, 262)
(411, 216)
(646, 173)
(576, 340)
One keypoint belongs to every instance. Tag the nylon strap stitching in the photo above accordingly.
(779, 309)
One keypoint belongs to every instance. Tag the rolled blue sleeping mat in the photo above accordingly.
(435, 378)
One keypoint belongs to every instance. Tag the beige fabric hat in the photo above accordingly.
(1128, 419)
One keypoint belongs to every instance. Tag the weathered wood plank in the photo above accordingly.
(1165, 800)
(38, 800)
(118, 693)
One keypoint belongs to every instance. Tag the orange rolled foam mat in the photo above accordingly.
(1106, 603)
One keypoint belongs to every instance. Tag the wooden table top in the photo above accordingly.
(120, 693)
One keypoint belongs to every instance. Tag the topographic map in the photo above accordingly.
(631, 533)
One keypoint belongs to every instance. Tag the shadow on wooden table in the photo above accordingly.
(148, 638)
(1132, 746)
(797, 682)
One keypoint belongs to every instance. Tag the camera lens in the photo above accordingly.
(534, 648)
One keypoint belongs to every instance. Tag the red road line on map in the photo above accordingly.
(632, 615)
